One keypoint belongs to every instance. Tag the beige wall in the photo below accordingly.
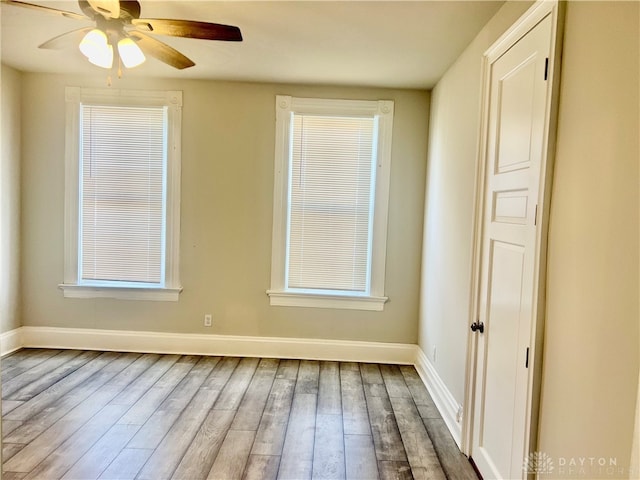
(10, 88)
(592, 343)
(227, 193)
(635, 444)
(449, 207)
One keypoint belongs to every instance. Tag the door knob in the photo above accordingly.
(477, 326)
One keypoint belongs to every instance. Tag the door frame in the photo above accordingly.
(538, 11)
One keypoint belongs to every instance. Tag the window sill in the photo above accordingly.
(121, 293)
(348, 302)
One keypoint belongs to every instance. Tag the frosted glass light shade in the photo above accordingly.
(130, 53)
(104, 59)
(96, 48)
(93, 42)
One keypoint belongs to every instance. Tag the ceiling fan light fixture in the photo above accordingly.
(118, 24)
(94, 41)
(104, 58)
(130, 53)
(96, 48)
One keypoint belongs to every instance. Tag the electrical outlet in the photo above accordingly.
(208, 320)
(459, 414)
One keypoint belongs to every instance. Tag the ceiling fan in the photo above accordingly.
(118, 24)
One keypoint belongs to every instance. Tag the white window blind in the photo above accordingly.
(330, 202)
(331, 197)
(122, 185)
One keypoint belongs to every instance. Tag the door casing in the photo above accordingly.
(538, 11)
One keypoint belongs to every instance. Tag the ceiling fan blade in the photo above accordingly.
(55, 11)
(189, 29)
(161, 51)
(69, 39)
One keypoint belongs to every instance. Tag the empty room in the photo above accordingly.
(320, 239)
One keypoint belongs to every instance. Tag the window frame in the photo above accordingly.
(279, 294)
(170, 288)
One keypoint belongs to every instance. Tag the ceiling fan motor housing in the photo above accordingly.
(127, 9)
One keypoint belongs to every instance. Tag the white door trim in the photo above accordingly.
(539, 11)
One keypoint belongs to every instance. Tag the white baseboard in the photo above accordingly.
(11, 341)
(198, 344)
(442, 397)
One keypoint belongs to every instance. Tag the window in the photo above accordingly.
(122, 194)
(331, 192)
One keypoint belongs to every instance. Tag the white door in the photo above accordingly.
(515, 151)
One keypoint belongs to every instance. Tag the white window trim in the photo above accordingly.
(74, 96)
(278, 294)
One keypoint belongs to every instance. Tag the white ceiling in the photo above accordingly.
(381, 43)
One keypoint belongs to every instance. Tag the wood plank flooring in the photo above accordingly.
(81, 415)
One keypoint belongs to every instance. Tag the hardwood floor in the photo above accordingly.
(104, 415)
